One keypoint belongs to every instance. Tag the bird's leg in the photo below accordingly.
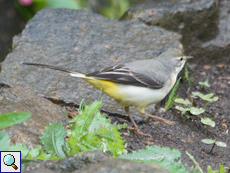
(134, 124)
(158, 118)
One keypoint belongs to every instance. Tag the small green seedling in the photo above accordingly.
(204, 84)
(208, 121)
(194, 161)
(214, 142)
(188, 107)
(207, 98)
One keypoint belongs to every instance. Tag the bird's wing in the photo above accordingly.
(122, 75)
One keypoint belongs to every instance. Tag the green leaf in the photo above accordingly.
(222, 169)
(4, 141)
(194, 161)
(221, 144)
(153, 152)
(44, 156)
(209, 169)
(73, 145)
(92, 131)
(116, 146)
(183, 110)
(208, 121)
(182, 101)
(34, 152)
(53, 139)
(206, 97)
(9, 119)
(205, 83)
(171, 100)
(208, 141)
(84, 119)
(162, 156)
(99, 121)
(19, 147)
(196, 111)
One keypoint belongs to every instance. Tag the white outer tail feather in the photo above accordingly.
(80, 75)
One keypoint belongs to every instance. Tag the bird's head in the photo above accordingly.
(174, 58)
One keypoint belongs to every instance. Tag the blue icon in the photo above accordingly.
(9, 160)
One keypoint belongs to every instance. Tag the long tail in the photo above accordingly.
(72, 73)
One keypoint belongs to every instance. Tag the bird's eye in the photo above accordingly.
(181, 58)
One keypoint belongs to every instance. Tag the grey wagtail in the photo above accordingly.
(139, 83)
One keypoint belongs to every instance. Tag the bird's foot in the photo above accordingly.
(159, 119)
(138, 131)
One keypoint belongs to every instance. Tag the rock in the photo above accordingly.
(42, 110)
(69, 164)
(93, 161)
(122, 166)
(204, 25)
(83, 42)
(39, 170)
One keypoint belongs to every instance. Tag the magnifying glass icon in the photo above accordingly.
(9, 160)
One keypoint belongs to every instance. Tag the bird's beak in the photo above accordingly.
(189, 57)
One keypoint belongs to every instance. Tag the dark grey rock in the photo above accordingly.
(39, 170)
(83, 42)
(69, 164)
(122, 166)
(42, 110)
(204, 25)
(92, 161)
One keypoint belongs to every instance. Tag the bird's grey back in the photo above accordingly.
(152, 68)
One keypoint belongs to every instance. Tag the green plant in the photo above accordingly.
(162, 156)
(207, 98)
(9, 119)
(89, 131)
(186, 72)
(209, 168)
(204, 84)
(188, 107)
(214, 142)
(208, 121)
(171, 96)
